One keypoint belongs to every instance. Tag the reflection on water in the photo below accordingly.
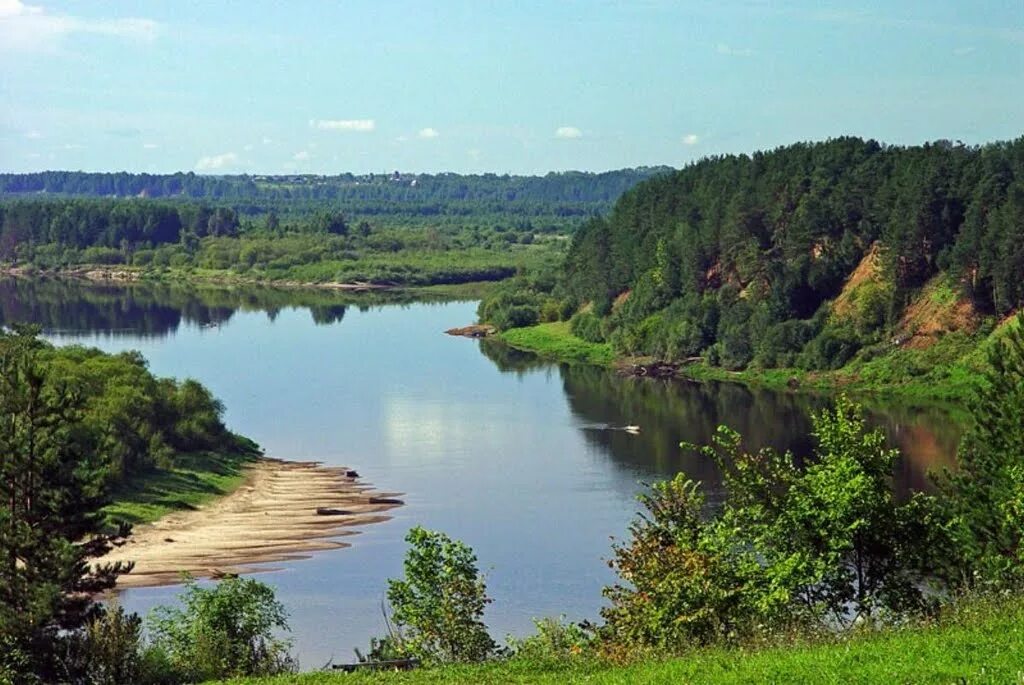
(522, 459)
(671, 412)
(155, 309)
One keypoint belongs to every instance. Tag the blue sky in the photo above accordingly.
(516, 87)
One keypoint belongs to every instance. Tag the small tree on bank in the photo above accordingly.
(223, 632)
(439, 605)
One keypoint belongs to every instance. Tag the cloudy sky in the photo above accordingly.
(523, 87)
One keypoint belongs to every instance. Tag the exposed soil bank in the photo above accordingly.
(272, 517)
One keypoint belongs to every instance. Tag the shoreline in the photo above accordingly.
(554, 341)
(271, 517)
(122, 275)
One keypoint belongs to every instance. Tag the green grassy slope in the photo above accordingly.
(197, 480)
(979, 643)
(556, 341)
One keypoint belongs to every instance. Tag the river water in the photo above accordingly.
(520, 458)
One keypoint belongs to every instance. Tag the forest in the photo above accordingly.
(313, 245)
(556, 198)
(810, 255)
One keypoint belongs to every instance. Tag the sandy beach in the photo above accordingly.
(272, 517)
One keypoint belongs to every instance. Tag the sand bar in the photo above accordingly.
(272, 517)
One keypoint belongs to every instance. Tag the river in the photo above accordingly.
(520, 458)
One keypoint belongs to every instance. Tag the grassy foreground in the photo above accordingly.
(198, 479)
(981, 642)
(948, 371)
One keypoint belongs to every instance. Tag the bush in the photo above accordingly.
(831, 349)
(555, 641)
(519, 316)
(793, 547)
(223, 632)
(587, 326)
(549, 311)
(439, 604)
(112, 648)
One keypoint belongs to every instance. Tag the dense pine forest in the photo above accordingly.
(806, 255)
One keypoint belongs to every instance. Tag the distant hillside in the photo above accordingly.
(805, 256)
(567, 193)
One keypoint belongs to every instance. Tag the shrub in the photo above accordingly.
(554, 641)
(518, 316)
(225, 631)
(549, 311)
(111, 647)
(439, 604)
(587, 326)
(792, 547)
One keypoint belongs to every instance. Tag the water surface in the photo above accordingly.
(518, 457)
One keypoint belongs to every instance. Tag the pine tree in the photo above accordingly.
(51, 490)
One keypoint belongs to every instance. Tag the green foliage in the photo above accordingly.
(557, 341)
(51, 482)
(439, 604)
(137, 421)
(719, 254)
(554, 642)
(110, 650)
(982, 513)
(792, 547)
(586, 326)
(224, 631)
(314, 246)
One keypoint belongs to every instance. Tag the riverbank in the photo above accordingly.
(978, 643)
(946, 373)
(270, 516)
(123, 275)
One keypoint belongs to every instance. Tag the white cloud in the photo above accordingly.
(33, 134)
(301, 156)
(358, 125)
(691, 139)
(724, 49)
(961, 52)
(214, 162)
(267, 141)
(73, 146)
(30, 28)
(568, 132)
(248, 147)
(149, 146)
(428, 133)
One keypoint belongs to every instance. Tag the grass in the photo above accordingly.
(980, 642)
(197, 480)
(555, 340)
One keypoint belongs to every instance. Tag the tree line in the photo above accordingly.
(572, 192)
(737, 257)
(309, 246)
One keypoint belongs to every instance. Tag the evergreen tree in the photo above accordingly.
(50, 494)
